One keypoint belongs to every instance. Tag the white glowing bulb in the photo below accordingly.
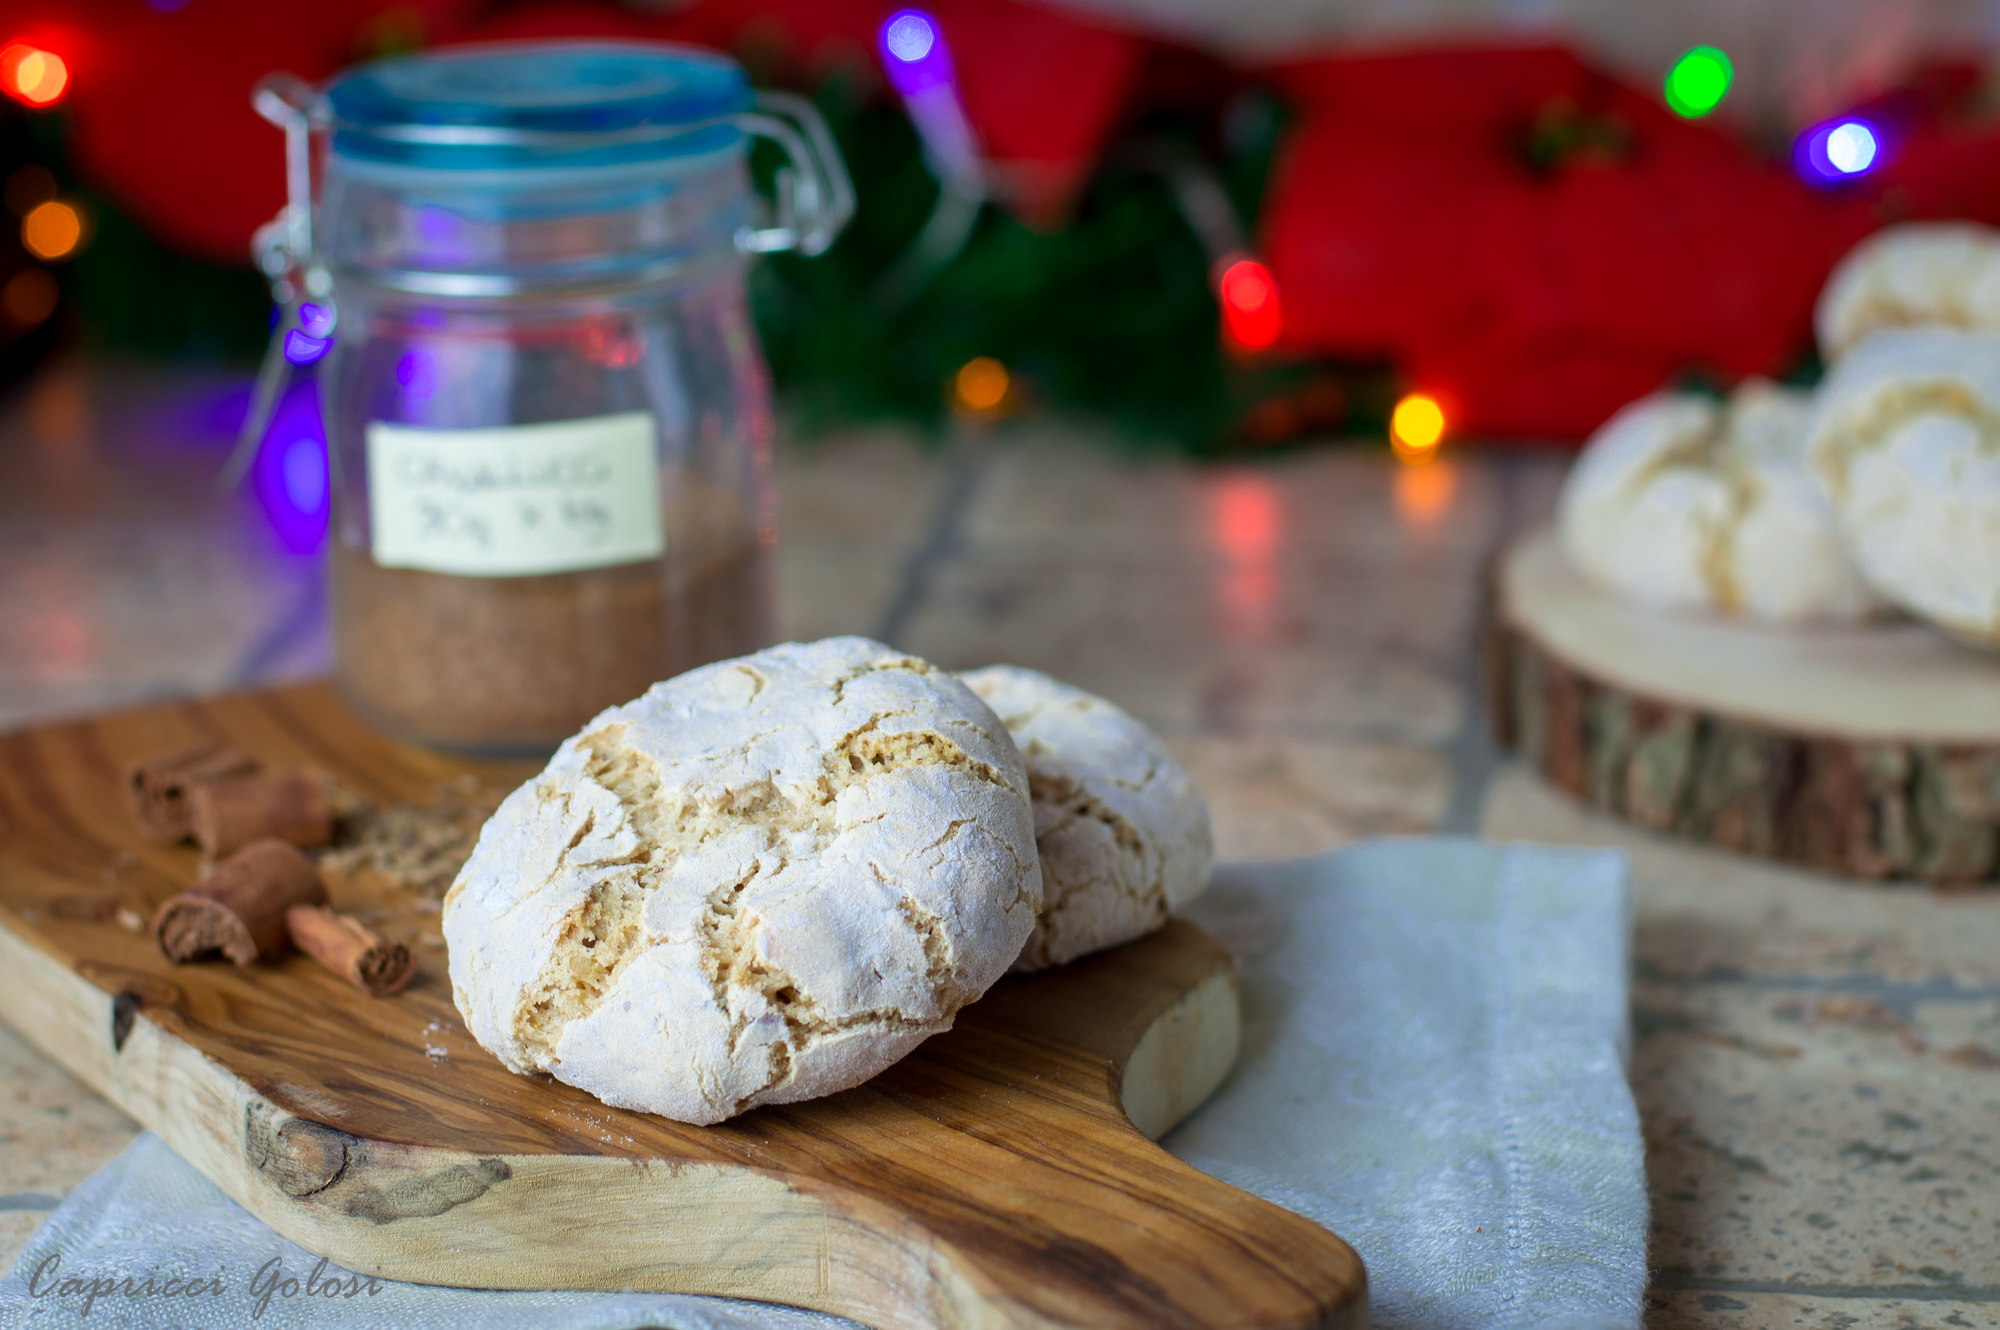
(910, 38)
(1851, 148)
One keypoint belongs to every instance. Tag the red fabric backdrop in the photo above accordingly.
(1530, 239)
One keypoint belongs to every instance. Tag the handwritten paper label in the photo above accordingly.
(516, 500)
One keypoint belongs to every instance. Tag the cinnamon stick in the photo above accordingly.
(239, 908)
(290, 803)
(375, 964)
(157, 787)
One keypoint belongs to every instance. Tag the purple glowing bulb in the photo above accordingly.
(303, 349)
(1839, 150)
(303, 472)
(290, 474)
(918, 65)
(914, 55)
(909, 36)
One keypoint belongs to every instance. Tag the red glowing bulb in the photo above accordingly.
(1250, 312)
(32, 75)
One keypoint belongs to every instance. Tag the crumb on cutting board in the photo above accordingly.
(418, 847)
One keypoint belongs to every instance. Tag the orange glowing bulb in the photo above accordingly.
(52, 230)
(981, 384)
(1416, 428)
(31, 75)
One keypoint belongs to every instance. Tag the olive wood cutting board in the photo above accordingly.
(1002, 1175)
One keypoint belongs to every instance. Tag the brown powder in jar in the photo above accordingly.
(518, 664)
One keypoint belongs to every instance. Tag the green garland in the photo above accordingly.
(1111, 316)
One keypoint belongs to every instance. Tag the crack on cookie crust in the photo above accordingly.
(596, 943)
(940, 961)
(868, 751)
(1883, 411)
(1069, 797)
(1060, 802)
(1722, 450)
(607, 932)
(801, 1013)
(1120, 833)
(906, 664)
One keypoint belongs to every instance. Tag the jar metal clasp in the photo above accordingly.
(283, 248)
(815, 198)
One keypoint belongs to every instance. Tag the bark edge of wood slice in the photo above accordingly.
(999, 1176)
(1871, 752)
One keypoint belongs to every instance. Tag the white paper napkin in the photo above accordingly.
(1433, 1067)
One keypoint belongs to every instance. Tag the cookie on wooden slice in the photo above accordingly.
(1683, 503)
(1907, 445)
(1916, 274)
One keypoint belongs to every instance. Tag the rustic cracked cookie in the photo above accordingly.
(1123, 834)
(763, 881)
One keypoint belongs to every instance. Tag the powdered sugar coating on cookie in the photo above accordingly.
(763, 881)
(1915, 274)
(1681, 503)
(1123, 834)
(1906, 445)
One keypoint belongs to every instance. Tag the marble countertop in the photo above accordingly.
(1817, 1064)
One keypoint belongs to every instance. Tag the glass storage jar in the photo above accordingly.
(548, 420)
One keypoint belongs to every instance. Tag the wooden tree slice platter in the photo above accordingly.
(994, 1178)
(1871, 751)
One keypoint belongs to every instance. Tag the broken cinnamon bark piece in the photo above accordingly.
(290, 803)
(157, 788)
(375, 964)
(239, 908)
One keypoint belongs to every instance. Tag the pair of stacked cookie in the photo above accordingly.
(1880, 488)
(770, 878)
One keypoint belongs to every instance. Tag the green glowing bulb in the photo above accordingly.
(1698, 82)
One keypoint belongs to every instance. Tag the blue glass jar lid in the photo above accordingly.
(538, 105)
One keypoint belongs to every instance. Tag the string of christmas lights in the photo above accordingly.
(1164, 276)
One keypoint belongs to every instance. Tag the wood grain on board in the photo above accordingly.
(1871, 752)
(994, 1178)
